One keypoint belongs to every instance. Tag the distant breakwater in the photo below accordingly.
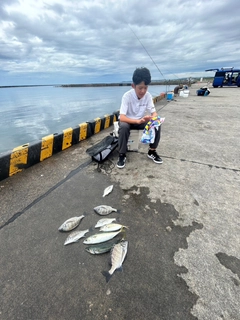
(120, 84)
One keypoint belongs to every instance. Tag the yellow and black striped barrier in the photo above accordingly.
(29, 154)
(158, 98)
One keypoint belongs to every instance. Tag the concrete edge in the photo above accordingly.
(24, 156)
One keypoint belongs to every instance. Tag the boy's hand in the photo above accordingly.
(147, 118)
(144, 119)
(140, 121)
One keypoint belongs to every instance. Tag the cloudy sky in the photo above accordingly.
(92, 41)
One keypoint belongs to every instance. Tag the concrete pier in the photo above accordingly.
(183, 260)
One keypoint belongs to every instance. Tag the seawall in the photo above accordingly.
(26, 155)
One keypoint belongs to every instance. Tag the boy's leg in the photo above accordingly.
(124, 132)
(154, 145)
(123, 135)
(152, 154)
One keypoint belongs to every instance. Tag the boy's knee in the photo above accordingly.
(124, 126)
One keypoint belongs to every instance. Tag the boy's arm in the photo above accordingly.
(123, 111)
(151, 107)
(124, 118)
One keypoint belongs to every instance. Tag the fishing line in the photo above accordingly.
(147, 52)
(150, 55)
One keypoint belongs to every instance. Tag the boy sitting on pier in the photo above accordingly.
(135, 104)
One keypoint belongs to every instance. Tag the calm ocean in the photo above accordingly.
(29, 113)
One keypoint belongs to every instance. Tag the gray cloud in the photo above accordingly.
(88, 41)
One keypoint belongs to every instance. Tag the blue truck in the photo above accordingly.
(226, 77)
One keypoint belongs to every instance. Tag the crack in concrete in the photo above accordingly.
(70, 175)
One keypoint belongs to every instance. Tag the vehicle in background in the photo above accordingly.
(226, 77)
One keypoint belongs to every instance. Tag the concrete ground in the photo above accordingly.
(183, 260)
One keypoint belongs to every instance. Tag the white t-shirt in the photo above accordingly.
(135, 108)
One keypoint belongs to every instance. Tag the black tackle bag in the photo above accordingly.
(204, 91)
(100, 151)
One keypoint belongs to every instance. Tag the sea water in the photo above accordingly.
(29, 113)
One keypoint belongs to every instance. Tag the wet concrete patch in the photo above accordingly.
(153, 240)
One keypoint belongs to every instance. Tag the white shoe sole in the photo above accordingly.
(120, 167)
(150, 157)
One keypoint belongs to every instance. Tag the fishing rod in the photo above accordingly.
(150, 55)
(147, 52)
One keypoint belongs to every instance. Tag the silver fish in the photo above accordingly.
(107, 190)
(112, 227)
(100, 237)
(71, 223)
(118, 254)
(105, 246)
(75, 236)
(104, 221)
(104, 210)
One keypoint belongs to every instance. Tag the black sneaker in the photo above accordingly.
(121, 161)
(152, 154)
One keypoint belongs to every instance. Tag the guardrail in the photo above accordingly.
(29, 154)
(26, 155)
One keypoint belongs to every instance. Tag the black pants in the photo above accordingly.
(124, 132)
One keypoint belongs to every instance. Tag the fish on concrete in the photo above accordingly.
(107, 190)
(105, 246)
(75, 236)
(104, 221)
(112, 227)
(71, 223)
(100, 237)
(104, 210)
(118, 254)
